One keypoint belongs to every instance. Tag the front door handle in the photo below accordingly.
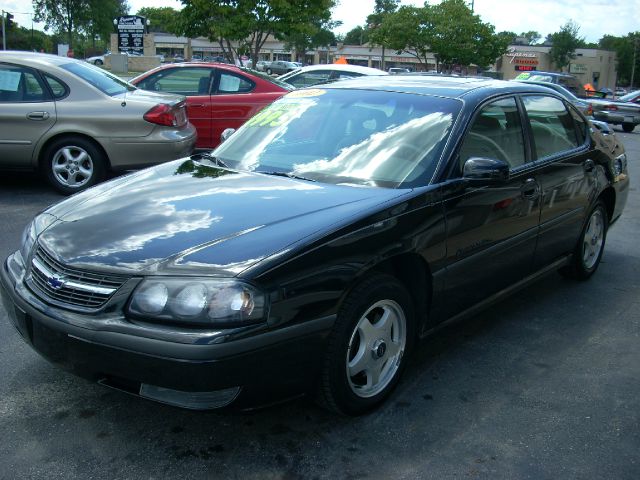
(38, 115)
(530, 189)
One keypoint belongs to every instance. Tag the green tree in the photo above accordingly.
(564, 44)
(356, 36)
(245, 25)
(69, 17)
(315, 35)
(162, 19)
(624, 48)
(531, 36)
(378, 24)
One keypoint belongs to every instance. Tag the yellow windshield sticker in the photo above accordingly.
(275, 115)
(312, 92)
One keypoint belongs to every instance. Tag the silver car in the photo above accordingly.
(74, 121)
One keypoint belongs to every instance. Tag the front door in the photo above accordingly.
(491, 230)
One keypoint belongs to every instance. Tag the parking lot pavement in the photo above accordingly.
(542, 386)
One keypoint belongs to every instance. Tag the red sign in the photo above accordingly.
(525, 68)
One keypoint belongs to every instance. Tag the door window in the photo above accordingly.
(552, 126)
(230, 83)
(496, 133)
(310, 78)
(183, 81)
(20, 85)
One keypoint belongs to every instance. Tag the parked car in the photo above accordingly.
(317, 74)
(262, 65)
(581, 104)
(279, 67)
(219, 96)
(398, 70)
(74, 121)
(313, 248)
(96, 60)
(624, 111)
(568, 81)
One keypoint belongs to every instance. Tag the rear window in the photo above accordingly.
(268, 78)
(99, 78)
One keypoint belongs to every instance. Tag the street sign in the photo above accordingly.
(131, 33)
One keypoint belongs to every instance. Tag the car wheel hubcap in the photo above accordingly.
(376, 348)
(72, 166)
(593, 239)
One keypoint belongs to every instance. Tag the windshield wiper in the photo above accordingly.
(214, 159)
(288, 175)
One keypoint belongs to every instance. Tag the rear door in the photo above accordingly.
(28, 111)
(564, 170)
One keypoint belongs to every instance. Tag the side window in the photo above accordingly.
(20, 85)
(496, 132)
(230, 83)
(310, 78)
(581, 126)
(58, 88)
(181, 80)
(552, 126)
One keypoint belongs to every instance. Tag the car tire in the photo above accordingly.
(98, 62)
(269, 71)
(628, 127)
(72, 164)
(368, 346)
(590, 247)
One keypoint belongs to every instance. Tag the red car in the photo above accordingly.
(219, 96)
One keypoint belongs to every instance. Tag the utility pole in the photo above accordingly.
(633, 65)
(4, 33)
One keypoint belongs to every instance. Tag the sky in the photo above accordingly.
(595, 18)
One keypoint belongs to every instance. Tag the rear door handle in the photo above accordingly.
(530, 189)
(38, 115)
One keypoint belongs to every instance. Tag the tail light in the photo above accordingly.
(611, 108)
(167, 115)
(589, 110)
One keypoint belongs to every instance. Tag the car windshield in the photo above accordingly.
(629, 96)
(340, 136)
(99, 78)
(268, 78)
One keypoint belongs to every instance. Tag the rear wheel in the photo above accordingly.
(269, 71)
(98, 62)
(72, 164)
(588, 252)
(368, 346)
(628, 127)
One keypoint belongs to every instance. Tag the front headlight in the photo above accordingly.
(198, 301)
(620, 164)
(31, 232)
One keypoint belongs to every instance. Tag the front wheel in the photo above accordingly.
(590, 247)
(368, 346)
(98, 63)
(72, 164)
(269, 71)
(628, 127)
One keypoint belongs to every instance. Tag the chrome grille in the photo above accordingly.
(71, 287)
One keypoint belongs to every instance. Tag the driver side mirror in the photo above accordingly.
(487, 171)
(227, 133)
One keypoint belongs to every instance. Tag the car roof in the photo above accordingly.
(35, 60)
(440, 85)
(342, 68)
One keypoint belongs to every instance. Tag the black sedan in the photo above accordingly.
(312, 249)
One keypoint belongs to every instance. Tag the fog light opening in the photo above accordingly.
(190, 400)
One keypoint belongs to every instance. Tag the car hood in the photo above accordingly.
(185, 217)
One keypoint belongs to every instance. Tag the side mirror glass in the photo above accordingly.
(485, 170)
(227, 133)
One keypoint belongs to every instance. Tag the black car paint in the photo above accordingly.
(452, 243)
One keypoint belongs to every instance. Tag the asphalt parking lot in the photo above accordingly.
(545, 385)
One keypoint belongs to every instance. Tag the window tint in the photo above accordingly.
(230, 83)
(552, 126)
(496, 133)
(310, 78)
(57, 87)
(20, 85)
(180, 80)
(99, 78)
(581, 126)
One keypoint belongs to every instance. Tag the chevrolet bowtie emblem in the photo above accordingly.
(55, 282)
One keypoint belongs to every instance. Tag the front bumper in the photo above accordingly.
(256, 367)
